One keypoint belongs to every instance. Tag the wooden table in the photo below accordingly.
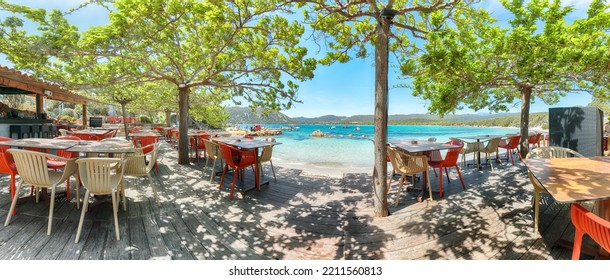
(103, 147)
(418, 146)
(572, 180)
(248, 144)
(478, 145)
(41, 143)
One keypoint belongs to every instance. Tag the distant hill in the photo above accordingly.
(244, 115)
(322, 119)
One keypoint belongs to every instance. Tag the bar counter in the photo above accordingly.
(23, 125)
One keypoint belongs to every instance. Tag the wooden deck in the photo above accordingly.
(299, 217)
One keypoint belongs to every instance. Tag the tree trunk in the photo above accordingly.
(183, 116)
(526, 96)
(380, 198)
(168, 118)
(124, 112)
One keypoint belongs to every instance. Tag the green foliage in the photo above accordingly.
(69, 112)
(145, 119)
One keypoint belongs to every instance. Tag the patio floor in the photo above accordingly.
(299, 217)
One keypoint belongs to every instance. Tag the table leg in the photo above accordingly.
(479, 154)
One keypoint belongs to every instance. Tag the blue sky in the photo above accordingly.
(340, 89)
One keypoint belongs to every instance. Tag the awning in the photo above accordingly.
(15, 82)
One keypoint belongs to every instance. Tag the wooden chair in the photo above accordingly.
(100, 177)
(139, 165)
(213, 153)
(32, 169)
(238, 160)
(545, 152)
(406, 164)
(450, 160)
(586, 222)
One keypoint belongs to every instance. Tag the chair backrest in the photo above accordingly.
(64, 153)
(405, 163)
(143, 141)
(63, 132)
(100, 175)
(492, 144)
(32, 166)
(7, 163)
(552, 152)
(136, 163)
(513, 141)
(586, 222)
(212, 149)
(534, 138)
(452, 154)
(237, 158)
(86, 136)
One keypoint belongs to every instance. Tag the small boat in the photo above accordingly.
(357, 128)
(332, 127)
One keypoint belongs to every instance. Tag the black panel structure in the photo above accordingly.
(577, 128)
(96, 121)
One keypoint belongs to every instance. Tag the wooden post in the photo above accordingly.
(39, 106)
(85, 124)
(183, 116)
(526, 96)
(168, 118)
(380, 201)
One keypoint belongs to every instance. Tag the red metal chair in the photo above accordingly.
(586, 222)
(238, 160)
(450, 160)
(7, 165)
(57, 164)
(512, 145)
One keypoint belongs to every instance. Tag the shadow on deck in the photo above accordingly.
(299, 217)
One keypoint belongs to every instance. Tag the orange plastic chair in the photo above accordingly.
(174, 134)
(534, 140)
(450, 160)
(238, 160)
(86, 136)
(513, 143)
(58, 164)
(586, 222)
(7, 165)
(146, 141)
(197, 145)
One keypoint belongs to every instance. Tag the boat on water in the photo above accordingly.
(357, 128)
(332, 127)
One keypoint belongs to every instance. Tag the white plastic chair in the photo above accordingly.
(100, 177)
(32, 169)
(140, 165)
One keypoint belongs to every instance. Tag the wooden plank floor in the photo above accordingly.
(299, 217)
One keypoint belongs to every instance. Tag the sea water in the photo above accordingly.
(349, 148)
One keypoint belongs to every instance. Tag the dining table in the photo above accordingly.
(573, 180)
(248, 144)
(414, 146)
(478, 145)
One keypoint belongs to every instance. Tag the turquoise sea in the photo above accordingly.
(348, 148)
